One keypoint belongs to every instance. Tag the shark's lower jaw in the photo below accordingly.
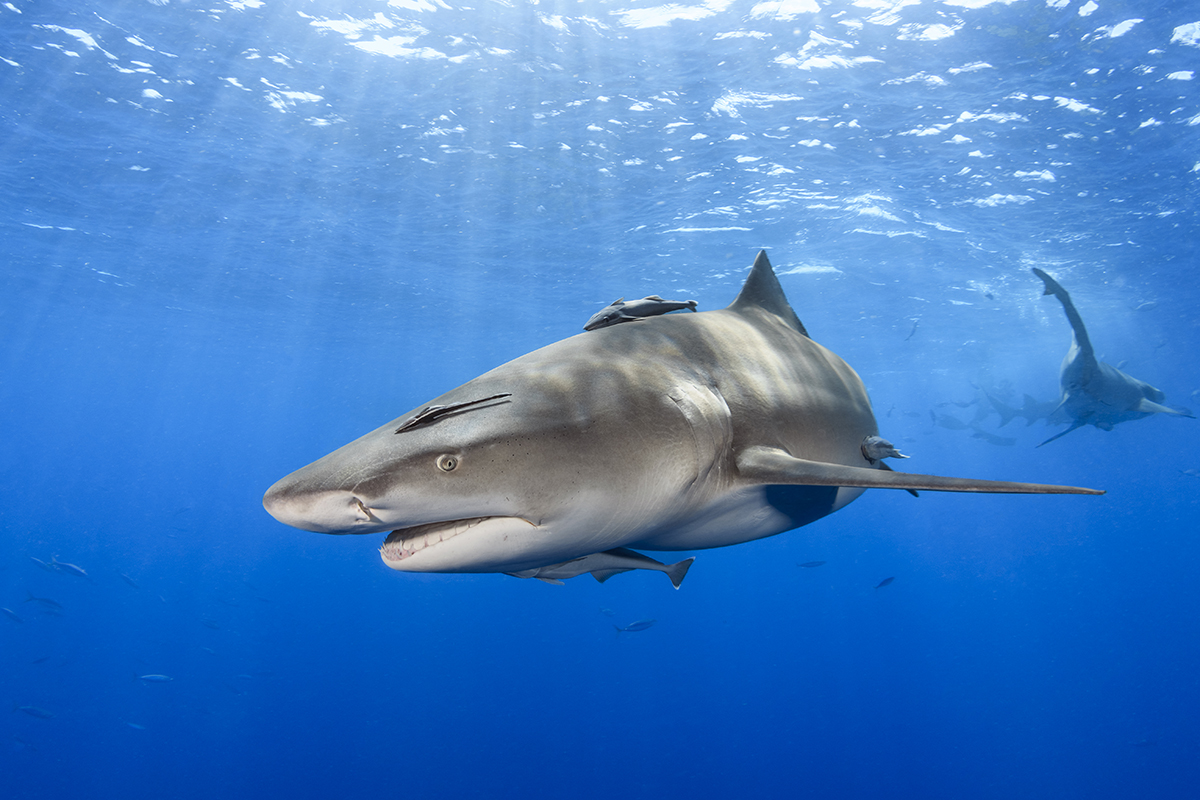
(410, 549)
(407, 542)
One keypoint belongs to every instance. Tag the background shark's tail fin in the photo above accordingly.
(1005, 411)
(762, 290)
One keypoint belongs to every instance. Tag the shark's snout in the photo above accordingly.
(335, 511)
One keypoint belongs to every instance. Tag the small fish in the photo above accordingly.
(153, 678)
(991, 438)
(948, 422)
(633, 627)
(44, 602)
(34, 711)
(21, 744)
(1191, 473)
(70, 569)
(885, 582)
(42, 564)
(135, 726)
(619, 311)
(129, 580)
(877, 448)
(911, 333)
(608, 612)
(811, 564)
(8, 612)
(211, 623)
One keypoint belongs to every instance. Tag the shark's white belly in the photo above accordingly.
(754, 512)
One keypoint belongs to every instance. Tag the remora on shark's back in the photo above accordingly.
(1095, 393)
(682, 432)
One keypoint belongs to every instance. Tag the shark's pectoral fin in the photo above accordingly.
(1074, 425)
(770, 465)
(1150, 407)
(883, 465)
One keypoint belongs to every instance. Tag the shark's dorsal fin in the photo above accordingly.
(762, 290)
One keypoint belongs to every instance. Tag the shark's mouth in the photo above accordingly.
(404, 543)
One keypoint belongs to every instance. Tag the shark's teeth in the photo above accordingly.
(403, 543)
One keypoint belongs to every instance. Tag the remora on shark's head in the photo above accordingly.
(682, 432)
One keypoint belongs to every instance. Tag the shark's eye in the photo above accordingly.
(447, 463)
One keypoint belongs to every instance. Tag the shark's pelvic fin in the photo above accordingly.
(770, 465)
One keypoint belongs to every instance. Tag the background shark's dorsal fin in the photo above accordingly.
(762, 290)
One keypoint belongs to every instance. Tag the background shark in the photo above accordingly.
(679, 433)
(1095, 393)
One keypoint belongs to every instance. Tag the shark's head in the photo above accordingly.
(516, 467)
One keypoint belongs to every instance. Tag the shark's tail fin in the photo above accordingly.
(1077, 327)
(678, 570)
(1005, 411)
(1031, 410)
(1052, 286)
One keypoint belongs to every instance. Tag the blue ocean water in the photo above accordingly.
(237, 234)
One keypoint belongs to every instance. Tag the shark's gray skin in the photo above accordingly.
(620, 311)
(683, 432)
(1095, 393)
(603, 566)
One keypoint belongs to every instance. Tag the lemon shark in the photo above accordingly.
(682, 432)
(1095, 393)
